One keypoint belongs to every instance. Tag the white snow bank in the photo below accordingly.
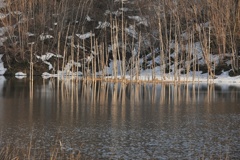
(20, 75)
(66, 71)
(61, 75)
(2, 69)
(2, 80)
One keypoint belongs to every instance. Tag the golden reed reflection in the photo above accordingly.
(88, 100)
(101, 94)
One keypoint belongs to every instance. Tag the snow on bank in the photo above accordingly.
(2, 69)
(155, 74)
(46, 57)
(109, 70)
(66, 72)
(148, 75)
(20, 75)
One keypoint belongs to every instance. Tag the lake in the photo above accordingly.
(104, 120)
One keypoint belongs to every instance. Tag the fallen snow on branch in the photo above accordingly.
(88, 18)
(131, 31)
(102, 25)
(29, 34)
(45, 36)
(125, 9)
(48, 56)
(86, 35)
(140, 20)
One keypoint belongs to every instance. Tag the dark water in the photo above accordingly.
(122, 121)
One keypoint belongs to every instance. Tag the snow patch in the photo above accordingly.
(121, 1)
(46, 57)
(20, 75)
(2, 15)
(29, 34)
(109, 70)
(140, 20)
(2, 40)
(88, 18)
(2, 69)
(3, 30)
(102, 25)
(131, 31)
(125, 9)
(68, 67)
(47, 75)
(45, 36)
(116, 13)
(17, 12)
(86, 35)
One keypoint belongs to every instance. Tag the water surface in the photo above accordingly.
(122, 121)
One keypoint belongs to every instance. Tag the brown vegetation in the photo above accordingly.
(215, 24)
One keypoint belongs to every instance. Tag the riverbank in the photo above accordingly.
(120, 40)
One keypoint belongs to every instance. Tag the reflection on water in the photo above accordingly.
(118, 120)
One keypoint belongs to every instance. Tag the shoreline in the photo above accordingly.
(233, 81)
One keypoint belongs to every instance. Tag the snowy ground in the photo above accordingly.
(2, 69)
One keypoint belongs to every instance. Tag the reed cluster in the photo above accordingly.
(11, 152)
(120, 38)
